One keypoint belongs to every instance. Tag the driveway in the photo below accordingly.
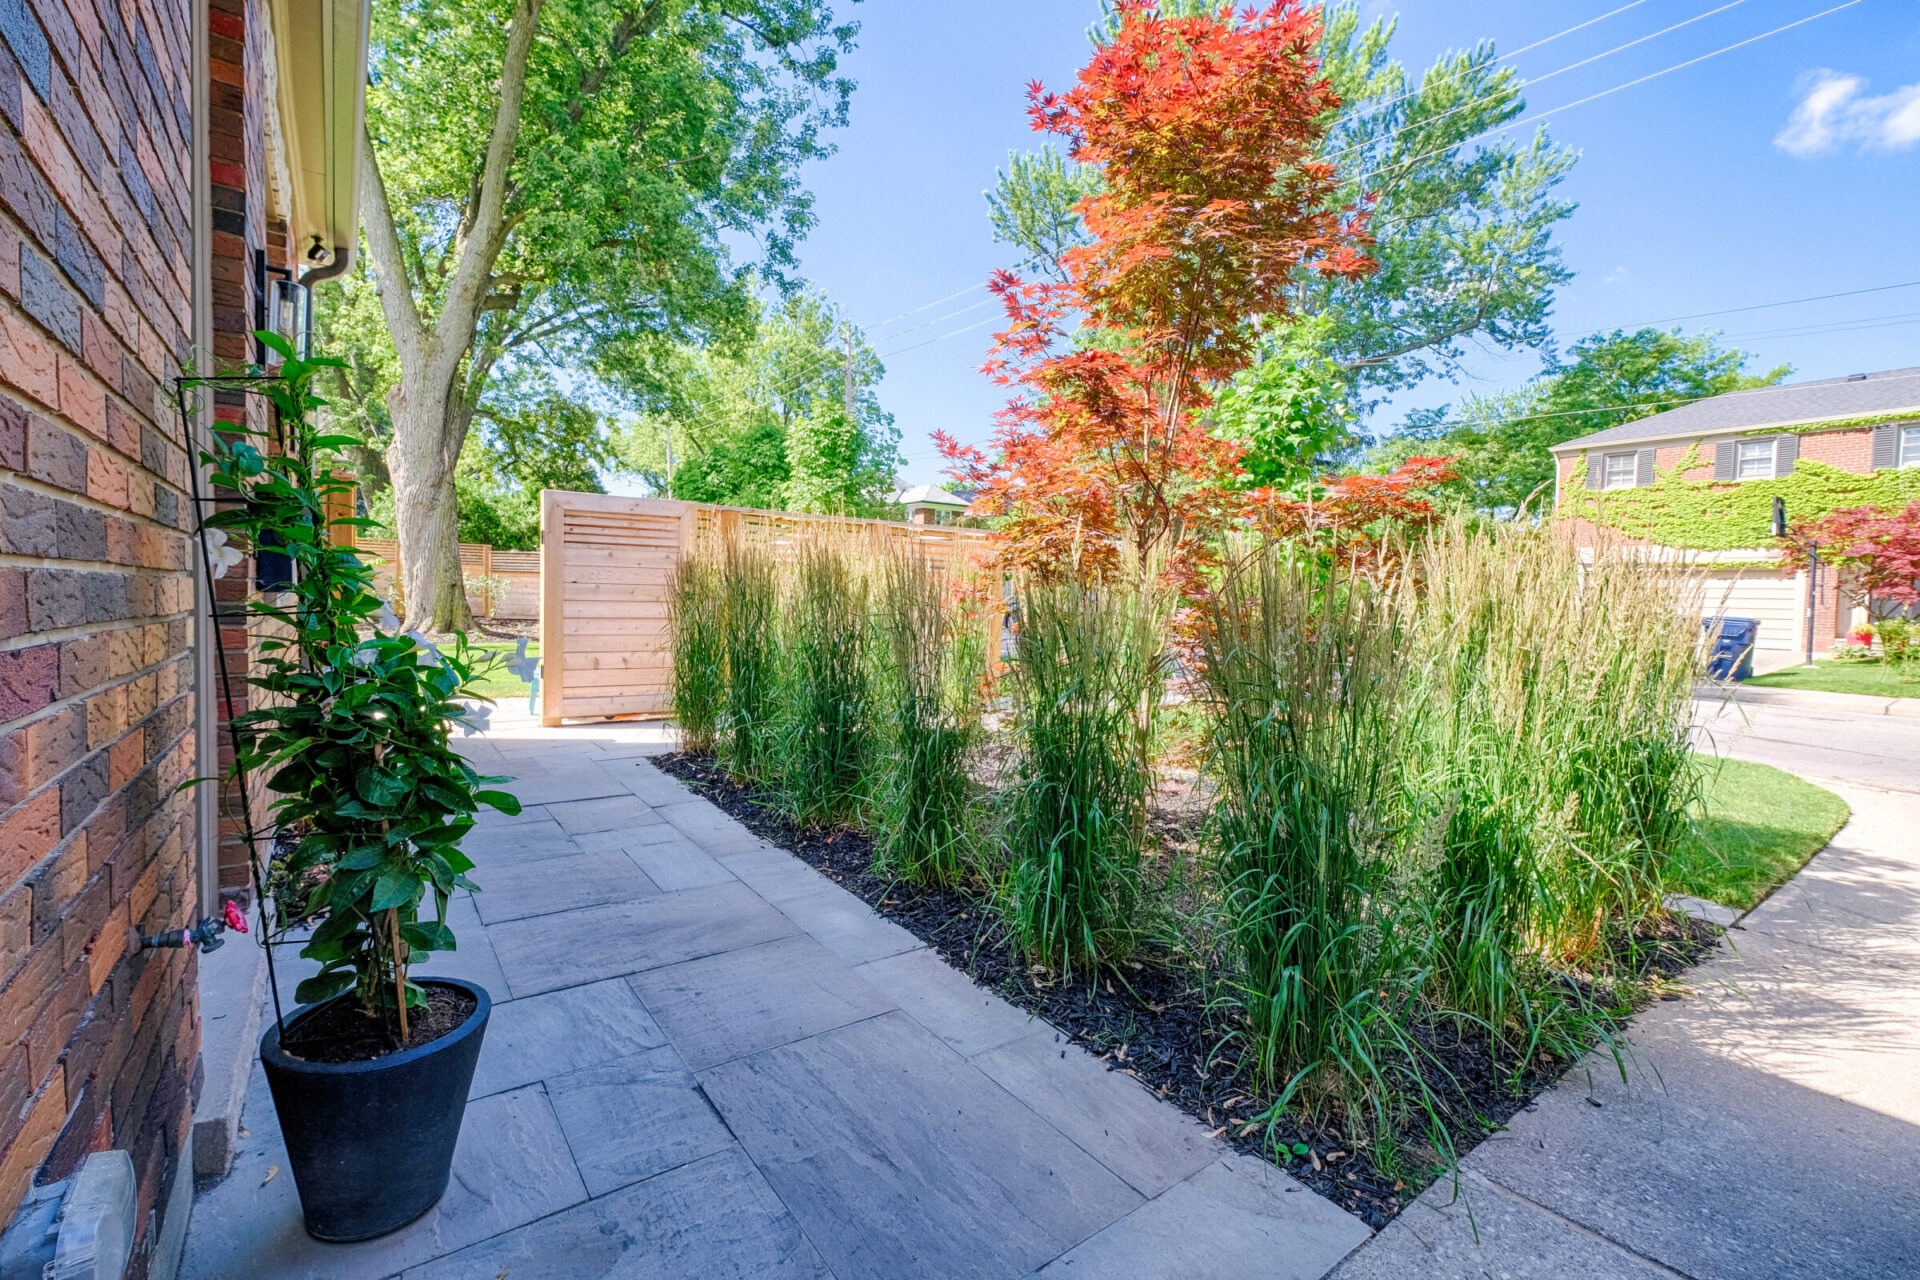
(1769, 1125)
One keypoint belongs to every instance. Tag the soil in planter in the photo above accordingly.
(1152, 1017)
(342, 1032)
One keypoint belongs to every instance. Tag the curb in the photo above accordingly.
(233, 989)
(1856, 703)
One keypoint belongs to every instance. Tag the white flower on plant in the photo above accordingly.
(429, 652)
(521, 665)
(387, 618)
(363, 657)
(221, 554)
(472, 717)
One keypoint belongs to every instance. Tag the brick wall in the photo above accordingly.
(242, 230)
(97, 1044)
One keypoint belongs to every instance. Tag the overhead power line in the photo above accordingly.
(1757, 306)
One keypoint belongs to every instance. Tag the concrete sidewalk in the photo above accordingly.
(1770, 1126)
(706, 1060)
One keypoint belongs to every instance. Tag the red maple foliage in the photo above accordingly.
(1206, 129)
(1364, 523)
(1877, 550)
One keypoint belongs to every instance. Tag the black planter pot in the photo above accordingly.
(371, 1143)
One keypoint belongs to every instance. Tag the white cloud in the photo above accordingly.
(1615, 276)
(1835, 110)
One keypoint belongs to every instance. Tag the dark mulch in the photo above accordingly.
(341, 1032)
(1152, 1017)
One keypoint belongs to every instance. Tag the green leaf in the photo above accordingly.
(323, 986)
(505, 801)
(428, 935)
(396, 888)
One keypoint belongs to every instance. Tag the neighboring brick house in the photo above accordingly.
(1698, 483)
(155, 157)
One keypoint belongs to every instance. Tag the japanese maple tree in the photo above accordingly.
(1364, 522)
(1877, 550)
(1206, 128)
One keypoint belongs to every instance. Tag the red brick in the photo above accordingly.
(32, 1141)
(28, 679)
(82, 399)
(27, 359)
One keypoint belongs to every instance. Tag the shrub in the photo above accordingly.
(748, 731)
(825, 706)
(352, 735)
(1087, 678)
(1301, 673)
(696, 623)
(1553, 718)
(931, 657)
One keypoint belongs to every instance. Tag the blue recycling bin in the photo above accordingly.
(1730, 647)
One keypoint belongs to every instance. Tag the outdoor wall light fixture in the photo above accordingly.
(284, 307)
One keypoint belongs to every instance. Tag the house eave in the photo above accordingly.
(1586, 443)
(320, 51)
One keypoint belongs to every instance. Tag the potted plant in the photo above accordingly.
(370, 1076)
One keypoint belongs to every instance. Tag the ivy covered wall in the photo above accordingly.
(1707, 515)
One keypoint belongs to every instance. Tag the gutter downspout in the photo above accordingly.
(206, 731)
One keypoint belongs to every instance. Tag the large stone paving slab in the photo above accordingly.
(676, 863)
(744, 1001)
(544, 954)
(1490, 1235)
(515, 890)
(899, 1159)
(635, 1117)
(512, 1166)
(612, 813)
(710, 1220)
(538, 837)
(1144, 1140)
(542, 1036)
(1238, 1216)
(947, 1002)
(846, 925)
(708, 827)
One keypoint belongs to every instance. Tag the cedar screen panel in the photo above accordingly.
(607, 567)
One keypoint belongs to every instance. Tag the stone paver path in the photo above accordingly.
(1770, 1124)
(706, 1060)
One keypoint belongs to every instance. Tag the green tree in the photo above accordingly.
(764, 422)
(526, 439)
(560, 182)
(1499, 444)
(1462, 223)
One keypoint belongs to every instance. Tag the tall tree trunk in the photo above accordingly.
(434, 407)
(422, 458)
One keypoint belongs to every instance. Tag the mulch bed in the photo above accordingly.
(1151, 1017)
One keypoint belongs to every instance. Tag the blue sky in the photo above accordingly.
(1699, 190)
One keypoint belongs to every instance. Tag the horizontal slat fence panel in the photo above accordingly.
(606, 568)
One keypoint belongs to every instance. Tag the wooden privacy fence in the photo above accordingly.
(606, 565)
(500, 584)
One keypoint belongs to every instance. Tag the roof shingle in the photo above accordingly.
(1889, 391)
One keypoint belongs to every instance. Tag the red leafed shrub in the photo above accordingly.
(1364, 522)
(1877, 550)
(1206, 129)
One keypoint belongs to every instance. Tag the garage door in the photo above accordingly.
(1778, 602)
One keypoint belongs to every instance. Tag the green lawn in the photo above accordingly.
(1870, 676)
(501, 684)
(1760, 826)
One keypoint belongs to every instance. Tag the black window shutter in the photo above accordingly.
(1786, 452)
(1886, 447)
(1596, 468)
(1724, 455)
(1643, 468)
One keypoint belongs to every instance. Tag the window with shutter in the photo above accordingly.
(1754, 460)
(1886, 447)
(1622, 471)
(1909, 448)
(1786, 452)
(1723, 460)
(1643, 469)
